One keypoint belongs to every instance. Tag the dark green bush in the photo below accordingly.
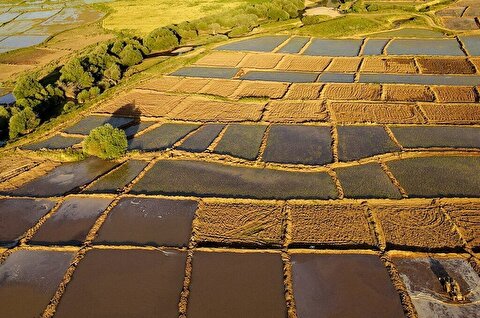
(22, 123)
(313, 19)
(4, 118)
(74, 74)
(106, 142)
(372, 7)
(88, 94)
(130, 56)
(161, 39)
(277, 14)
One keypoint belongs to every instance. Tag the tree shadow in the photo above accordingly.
(132, 111)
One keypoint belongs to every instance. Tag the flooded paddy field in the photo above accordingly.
(266, 197)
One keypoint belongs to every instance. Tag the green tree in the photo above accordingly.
(88, 94)
(73, 74)
(4, 117)
(106, 142)
(130, 56)
(22, 123)
(161, 39)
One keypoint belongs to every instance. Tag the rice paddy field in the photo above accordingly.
(268, 176)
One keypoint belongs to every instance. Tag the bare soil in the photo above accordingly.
(467, 218)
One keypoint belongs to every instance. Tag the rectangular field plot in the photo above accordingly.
(116, 180)
(357, 142)
(299, 145)
(445, 66)
(261, 90)
(221, 87)
(221, 59)
(323, 47)
(452, 113)
(162, 137)
(344, 64)
(190, 85)
(196, 109)
(343, 285)
(374, 46)
(264, 60)
(382, 113)
(352, 92)
(19, 215)
(207, 72)
(435, 177)
(294, 45)
(389, 65)
(455, 94)
(408, 93)
(260, 44)
(304, 91)
(296, 111)
(277, 76)
(160, 84)
(96, 290)
(71, 222)
(326, 225)
(422, 278)
(472, 44)
(69, 177)
(146, 221)
(55, 142)
(300, 63)
(142, 103)
(420, 79)
(29, 280)
(84, 126)
(257, 224)
(213, 179)
(241, 141)
(443, 47)
(437, 136)
(135, 129)
(416, 226)
(220, 287)
(367, 181)
(467, 219)
(202, 138)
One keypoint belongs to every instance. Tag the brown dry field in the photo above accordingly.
(261, 89)
(261, 61)
(29, 175)
(199, 109)
(445, 66)
(36, 56)
(304, 63)
(455, 94)
(345, 64)
(190, 85)
(161, 84)
(476, 61)
(452, 113)
(416, 226)
(8, 71)
(235, 223)
(330, 224)
(12, 165)
(304, 91)
(464, 23)
(353, 92)
(382, 113)
(221, 87)
(296, 111)
(389, 65)
(408, 93)
(467, 218)
(221, 59)
(143, 103)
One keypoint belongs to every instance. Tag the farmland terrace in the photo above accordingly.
(276, 176)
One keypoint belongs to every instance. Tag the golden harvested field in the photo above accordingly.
(452, 113)
(222, 59)
(459, 94)
(408, 93)
(304, 63)
(445, 66)
(261, 89)
(382, 113)
(221, 87)
(353, 92)
(345, 64)
(296, 111)
(190, 85)
(265, 61)
(389, 65)
(304, 91)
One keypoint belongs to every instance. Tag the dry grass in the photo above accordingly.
(221, 59)
(304, 91)
(261, 61)
(452, 113)
(455, 94)
(382, 113)
(162, 84)
(345, 64)
(445, 66)
(235, 223)
(261, 89)
(353, 91)
(408, 93)
(190, 85)
(330, 224)
(304, 63)
(221, 87)
(296, 111)
(389, 65)
(198, 109)
(8, 71)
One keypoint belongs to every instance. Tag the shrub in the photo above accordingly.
(22, 123)
(130, 56)
(277, 14)
(313, 19)
(4, 117)
(238, 31)
(372, 7)
(88, 94)
(74, 74)
(69, 106)
(106, 142)
(161, 39)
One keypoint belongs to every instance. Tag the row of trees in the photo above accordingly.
(85, 77)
